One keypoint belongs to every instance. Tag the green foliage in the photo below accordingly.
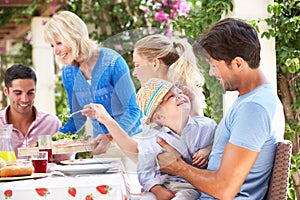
(61, 101)
(294, 168)
(284, 26)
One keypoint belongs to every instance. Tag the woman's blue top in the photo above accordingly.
(110, 85)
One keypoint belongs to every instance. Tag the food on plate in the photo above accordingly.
(15, 169)
(68, 139)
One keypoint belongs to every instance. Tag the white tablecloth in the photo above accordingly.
(83, 187)
(65, 188)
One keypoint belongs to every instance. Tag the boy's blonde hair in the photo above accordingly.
(68, 28)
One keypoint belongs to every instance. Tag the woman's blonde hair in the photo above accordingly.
(178, 55)
(68, 28)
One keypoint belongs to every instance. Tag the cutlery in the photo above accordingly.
(74, 113)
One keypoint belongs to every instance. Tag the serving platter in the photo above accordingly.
(62, 149)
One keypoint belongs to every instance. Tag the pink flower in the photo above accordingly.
(173, 14)
(160, 16)
(164, 2)
(182, 7)
(44, 22)
(131, 43)
(119, 47)
(6, 1)
(118, 1)
(53, 5)
(28, 38)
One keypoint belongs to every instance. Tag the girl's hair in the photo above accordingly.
(178, 55)
(68, 28)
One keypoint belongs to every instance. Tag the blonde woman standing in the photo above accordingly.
(92, 74)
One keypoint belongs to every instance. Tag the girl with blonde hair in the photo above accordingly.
(158, 56)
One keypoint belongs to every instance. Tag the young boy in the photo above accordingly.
(167, 112)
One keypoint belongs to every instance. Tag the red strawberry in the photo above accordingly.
(8, 194)
(72, 191)
(103, 189)
(42, 191)
(89, 197)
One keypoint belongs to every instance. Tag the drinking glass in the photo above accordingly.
(45, 144)
(39, 161)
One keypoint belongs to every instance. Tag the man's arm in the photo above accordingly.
(222, 184)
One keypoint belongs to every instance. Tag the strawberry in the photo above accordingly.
(8, 194)
(42, 191)
(72, 191)
(103, 189)
(89, 197)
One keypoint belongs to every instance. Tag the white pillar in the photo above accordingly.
(43, 62)
(254, 10)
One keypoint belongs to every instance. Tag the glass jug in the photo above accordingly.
(6, 150)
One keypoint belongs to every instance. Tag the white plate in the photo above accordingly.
(82, 169)
(88, 161)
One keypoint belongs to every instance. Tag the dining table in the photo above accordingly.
(87, 179)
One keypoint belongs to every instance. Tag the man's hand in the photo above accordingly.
(170, 161)
(103, 142)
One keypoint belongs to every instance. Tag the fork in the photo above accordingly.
(74, 113)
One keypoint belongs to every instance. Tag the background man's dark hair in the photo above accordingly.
(18, 71)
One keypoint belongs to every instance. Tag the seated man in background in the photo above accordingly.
(28, 122)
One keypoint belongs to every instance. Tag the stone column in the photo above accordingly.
(43, 62)
(254, 10)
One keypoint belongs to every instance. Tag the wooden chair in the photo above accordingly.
(278, 184)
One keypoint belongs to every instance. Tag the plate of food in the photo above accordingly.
(17, 170)
(83, 169)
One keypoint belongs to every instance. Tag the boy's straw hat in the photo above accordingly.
(151, 95)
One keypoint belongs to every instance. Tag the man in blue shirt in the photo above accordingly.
(243, 151)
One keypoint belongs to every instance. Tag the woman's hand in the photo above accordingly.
(103, 143)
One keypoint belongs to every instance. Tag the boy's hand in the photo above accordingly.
(200, 158)
(162, 193)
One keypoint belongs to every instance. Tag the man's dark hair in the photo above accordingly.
(18, 71)
(230, 38)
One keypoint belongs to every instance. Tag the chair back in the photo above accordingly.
(279, 180)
